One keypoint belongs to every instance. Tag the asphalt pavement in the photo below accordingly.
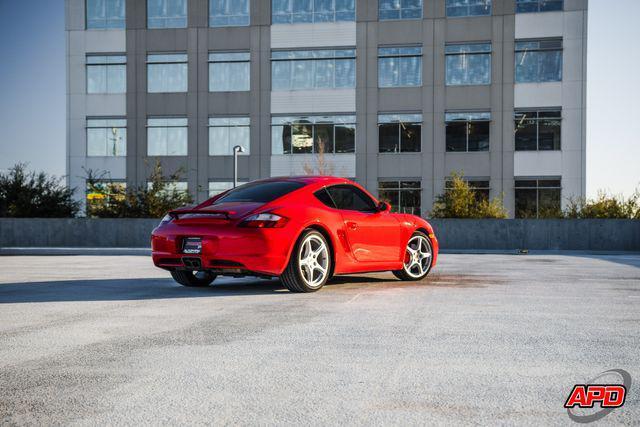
(486, 339)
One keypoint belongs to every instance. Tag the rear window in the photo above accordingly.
(260, 192)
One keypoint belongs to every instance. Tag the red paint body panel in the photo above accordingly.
(360, 242)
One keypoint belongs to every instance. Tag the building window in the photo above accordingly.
(167, 136)
(307, 11)
(229, 72)
(538, 130)
(403, 196)
(538, 61)
(171, 187)
(105, 14)
(399, 66)
(399, 133)
(460, 8)
(313, 69)
(106, 73)
(101, 195)
(538, 198)
(480, 187)
(468, 64)
(227, 132)
(399, 9)
(166, 13)
(167, 72)
(217, 187)
(106, 137)
(467, 131)
(527, 6)
(313, 134)
(228, 13)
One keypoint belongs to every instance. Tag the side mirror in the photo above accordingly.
(384, 207)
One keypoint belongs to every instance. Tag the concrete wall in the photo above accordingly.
(596, 235)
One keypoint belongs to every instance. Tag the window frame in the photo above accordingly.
(247, 125)
(348, 121)
(388, 118)
(106, 126)
(168, 126)
(468, 6)
(211, 61)
(400, 189)
(537, 120)
(524, 51)
(166, 62)
(166, 18)
(482, 117)
(537, 188)
(105, 64)
(106, 19)
(313, 14)
(400, 56)
(357, 190)
(400, 10)
(210, 16)
(488, 53)
(538, 3)
(314, 55)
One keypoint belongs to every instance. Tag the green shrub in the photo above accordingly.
(26, 194)
(461, 201)
(113, 200)
(605, 206)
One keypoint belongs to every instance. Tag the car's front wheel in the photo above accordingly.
(418, 258)
(310, 263)
(193, 278)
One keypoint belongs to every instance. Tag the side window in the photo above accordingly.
(351, 198)
(325, 198)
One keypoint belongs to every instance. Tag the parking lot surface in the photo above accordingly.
(486, 339)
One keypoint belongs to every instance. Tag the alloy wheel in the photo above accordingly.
(417, 257)
(313, 261)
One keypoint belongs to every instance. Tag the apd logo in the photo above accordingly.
(598, 393)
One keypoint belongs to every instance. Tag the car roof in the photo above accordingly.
(308, 179)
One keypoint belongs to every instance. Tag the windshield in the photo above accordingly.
(260, 192)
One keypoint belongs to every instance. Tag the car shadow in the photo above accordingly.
(146, 288)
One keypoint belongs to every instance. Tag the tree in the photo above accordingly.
(462, 201)
(605, 206)
(26, 194)
(321, 165)
(113, 200)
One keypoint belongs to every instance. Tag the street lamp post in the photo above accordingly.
(236, 150)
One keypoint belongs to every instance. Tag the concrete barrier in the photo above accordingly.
(539, 234)
(463, 234)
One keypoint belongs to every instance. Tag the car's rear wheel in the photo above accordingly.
(418, 258)
(309, 267)
(193, 278)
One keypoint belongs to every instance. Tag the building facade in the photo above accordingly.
(397, 94)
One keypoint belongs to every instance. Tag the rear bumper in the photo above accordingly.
(226, 250)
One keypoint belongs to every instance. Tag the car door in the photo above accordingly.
(373, 236)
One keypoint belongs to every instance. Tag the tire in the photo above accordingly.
(418, 258)
(310, 264)
(193, 278)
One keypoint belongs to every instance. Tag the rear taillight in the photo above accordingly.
(263, 220)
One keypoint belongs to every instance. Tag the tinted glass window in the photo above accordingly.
(260, 192)
(351, 198)
(325, 198)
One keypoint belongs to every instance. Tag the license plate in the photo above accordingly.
(192, 245)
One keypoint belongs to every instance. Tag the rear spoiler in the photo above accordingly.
(176, 214)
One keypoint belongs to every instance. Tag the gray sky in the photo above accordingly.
(32, 88)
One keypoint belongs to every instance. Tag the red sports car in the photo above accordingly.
(301, 229)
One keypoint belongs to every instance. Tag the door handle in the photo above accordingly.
(352, 225)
